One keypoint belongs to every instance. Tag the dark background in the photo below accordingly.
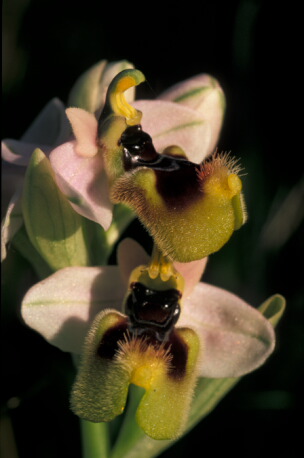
(247, 46)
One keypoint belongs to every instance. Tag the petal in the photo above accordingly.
(190, 92)
(192, 273)
(84, 182)
(12, 222)
(84, 125)
(51, 126)
(19, 152)
(62, 307)
(12, 181)
(130, 255)
(101, 387)
(203, 94)
(163, 411)
(112, 359)
(86, 91)
(89, 91)
(236, 337)
(49, 129)
(169, 123)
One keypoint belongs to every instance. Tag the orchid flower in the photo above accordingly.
(193, 122)
(85, 310)
(189, 115)
(203, 202)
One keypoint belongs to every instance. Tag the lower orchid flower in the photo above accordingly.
(148, 323)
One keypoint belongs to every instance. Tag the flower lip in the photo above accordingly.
(166, 371)
(203, 203)
(120, 339)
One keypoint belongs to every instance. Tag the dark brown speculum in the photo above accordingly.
(176, 177)
(151, 311)
(151, 316)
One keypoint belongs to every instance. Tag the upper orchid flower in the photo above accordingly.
(202, 202)
(147, 343)
(175, 198)
(189, 115)
(192, 120)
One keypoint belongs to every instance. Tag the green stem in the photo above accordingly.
(95, 439)
(130, 433)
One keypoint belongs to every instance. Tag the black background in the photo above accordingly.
(247, 46)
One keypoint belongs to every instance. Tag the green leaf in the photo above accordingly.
(273, 308)
(54, 228)
(22, 243)
(132, 441)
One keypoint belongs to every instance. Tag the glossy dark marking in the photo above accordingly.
(180, 188)
(138, 147)
(177, 178)
(109, 342)
(179, 352)
(151, 311)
